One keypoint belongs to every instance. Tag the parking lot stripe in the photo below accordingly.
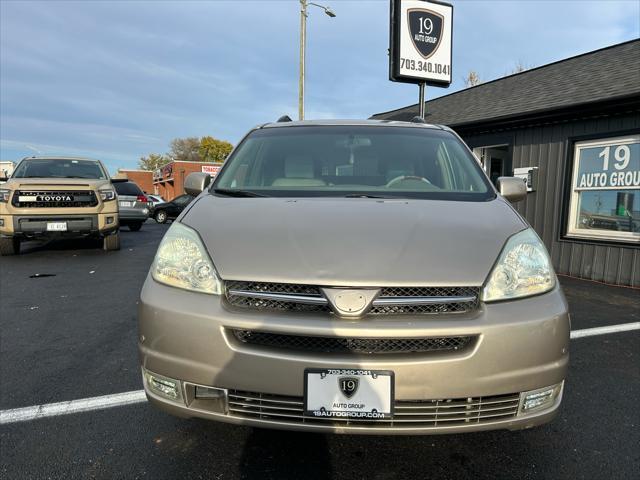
(73, 406)
(589, 332)
(24, 414)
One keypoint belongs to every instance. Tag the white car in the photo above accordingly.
(155, 199)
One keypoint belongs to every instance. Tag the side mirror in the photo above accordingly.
(512, 188)
(196, 182)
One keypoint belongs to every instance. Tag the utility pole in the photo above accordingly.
(303, 48)
(304, 4)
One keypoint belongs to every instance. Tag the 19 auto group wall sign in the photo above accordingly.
(421, 38)
(614, 165)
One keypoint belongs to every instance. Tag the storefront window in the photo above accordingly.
(605, 190)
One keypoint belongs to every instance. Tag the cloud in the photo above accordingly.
(118, 80)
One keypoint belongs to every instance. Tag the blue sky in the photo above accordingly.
(117, 80)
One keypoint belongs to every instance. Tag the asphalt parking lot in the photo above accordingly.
(72, 335)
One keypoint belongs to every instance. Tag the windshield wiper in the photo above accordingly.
(366, 195)
(232, 192)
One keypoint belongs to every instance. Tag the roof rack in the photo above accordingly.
(284, 118)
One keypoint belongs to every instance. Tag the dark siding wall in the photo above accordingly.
(545, 146)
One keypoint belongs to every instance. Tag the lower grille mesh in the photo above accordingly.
(352, 345)
(408, 413)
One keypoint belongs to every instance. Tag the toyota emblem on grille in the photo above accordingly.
(350, 302)
(348, 385)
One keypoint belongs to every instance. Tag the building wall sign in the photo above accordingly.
(420, 42)
(611, 165)
(605, 189)
(211, 169)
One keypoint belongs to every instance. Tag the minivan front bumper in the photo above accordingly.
(520, 346)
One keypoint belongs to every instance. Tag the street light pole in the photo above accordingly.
(303, 48)
(304, 4)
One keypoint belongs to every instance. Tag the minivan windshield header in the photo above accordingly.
(353, 161)
(59, 168)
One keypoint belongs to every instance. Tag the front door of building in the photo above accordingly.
(494, 160)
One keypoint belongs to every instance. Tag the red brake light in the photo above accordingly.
(143, 199)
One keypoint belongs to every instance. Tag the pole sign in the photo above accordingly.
(420, 42)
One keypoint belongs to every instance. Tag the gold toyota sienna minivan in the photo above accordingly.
(354, 277)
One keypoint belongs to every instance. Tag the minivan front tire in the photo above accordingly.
(111, 242)
(9, 246)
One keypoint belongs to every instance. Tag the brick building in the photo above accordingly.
(144, 178)
(168, 181)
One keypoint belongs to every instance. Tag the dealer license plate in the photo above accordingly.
(126, 204)
(349, 393)
(56, 226)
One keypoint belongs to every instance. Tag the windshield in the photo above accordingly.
(59, 168)
(375, 161)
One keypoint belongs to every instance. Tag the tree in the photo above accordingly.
(153, 161)
(190, 149)
(519, 67)
(186, 149)
(214, 150)
(472, 79)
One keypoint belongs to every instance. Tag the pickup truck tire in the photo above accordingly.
(111, 242)
(9, 246)
(161, 216)
(134, 227)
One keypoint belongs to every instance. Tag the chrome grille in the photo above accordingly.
(305, 343)
(289, 288)
(268, 296)
(390, 301)
(445, 300)
(54, 198)
(408, 413)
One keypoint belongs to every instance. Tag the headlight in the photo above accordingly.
(523, 269)
(107, 194)
(182, 261)
(4, 195)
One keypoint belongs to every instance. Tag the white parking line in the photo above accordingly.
(24, 414)
(589, 332)
(73, 406)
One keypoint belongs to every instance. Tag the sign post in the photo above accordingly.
(421, 89)
(420, 40)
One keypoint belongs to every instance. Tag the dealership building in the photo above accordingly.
(571, 130)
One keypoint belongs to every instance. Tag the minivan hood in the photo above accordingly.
(353, 241)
